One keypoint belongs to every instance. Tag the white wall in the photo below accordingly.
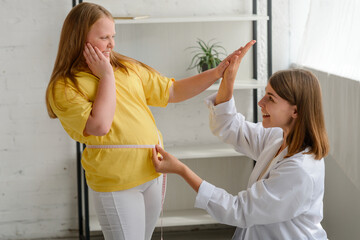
(280, 34)
(37, 171)
(342, 191)
(341, 203)
(288, 24)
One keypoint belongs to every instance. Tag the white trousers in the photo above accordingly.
(129, 214)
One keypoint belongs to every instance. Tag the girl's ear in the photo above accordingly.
(295, 113)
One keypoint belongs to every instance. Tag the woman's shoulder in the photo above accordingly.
(306, 164)
(303, 158)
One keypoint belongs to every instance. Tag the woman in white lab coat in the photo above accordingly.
(284, 198)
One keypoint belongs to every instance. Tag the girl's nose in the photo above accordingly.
(111, 44)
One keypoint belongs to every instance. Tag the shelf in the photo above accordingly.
(242, 84)
(192, 19)
(197, 151)
(175, 218)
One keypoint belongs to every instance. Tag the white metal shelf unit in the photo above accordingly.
(242, 84)
(180, 217)
(192, 19)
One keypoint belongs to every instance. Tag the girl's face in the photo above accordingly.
(102, 34)
(276, 111)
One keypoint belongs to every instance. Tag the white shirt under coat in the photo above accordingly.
(286, 203)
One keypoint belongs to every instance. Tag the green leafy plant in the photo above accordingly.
(206, 55)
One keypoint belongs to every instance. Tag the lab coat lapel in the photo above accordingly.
(275, 161)
(266, 156)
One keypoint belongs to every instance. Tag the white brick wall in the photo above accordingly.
(37, 159)
(37, 166)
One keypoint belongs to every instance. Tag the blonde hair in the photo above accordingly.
(302, 89)
(70, 59)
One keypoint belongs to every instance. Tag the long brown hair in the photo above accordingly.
(301, 88)
(70, 59)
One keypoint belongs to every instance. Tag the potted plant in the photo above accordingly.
(206, 55)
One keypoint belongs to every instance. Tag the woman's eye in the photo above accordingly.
(271, 99)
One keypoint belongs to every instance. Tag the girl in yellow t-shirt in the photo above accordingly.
(101, 99)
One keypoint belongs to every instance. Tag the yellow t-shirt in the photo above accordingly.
(116, 168)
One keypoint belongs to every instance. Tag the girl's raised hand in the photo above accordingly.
(97, 62)
(166, 163)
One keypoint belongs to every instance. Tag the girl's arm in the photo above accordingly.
(186, 88)
(103, 109)
(167, 163)
(227, 84)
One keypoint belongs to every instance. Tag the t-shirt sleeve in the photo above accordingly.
(71, 108)
(156, 87)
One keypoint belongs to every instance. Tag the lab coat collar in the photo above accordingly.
(263, 161)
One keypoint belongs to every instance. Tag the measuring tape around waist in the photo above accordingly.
(119, 146)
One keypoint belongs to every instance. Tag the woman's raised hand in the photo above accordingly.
(220, 69)
(97, 62)
(235, 60)
(227, 84)
(240, 53)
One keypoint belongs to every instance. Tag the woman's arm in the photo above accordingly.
(284, 195)
(167, 163)
(103, 110)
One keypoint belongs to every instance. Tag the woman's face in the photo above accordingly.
(276, 111)
(101, 35)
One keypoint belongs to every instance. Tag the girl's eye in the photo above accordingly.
(271, 99)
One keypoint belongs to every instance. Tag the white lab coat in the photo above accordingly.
(286, 203)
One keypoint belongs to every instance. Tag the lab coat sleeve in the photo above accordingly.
(283, 196)
(245, 137)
